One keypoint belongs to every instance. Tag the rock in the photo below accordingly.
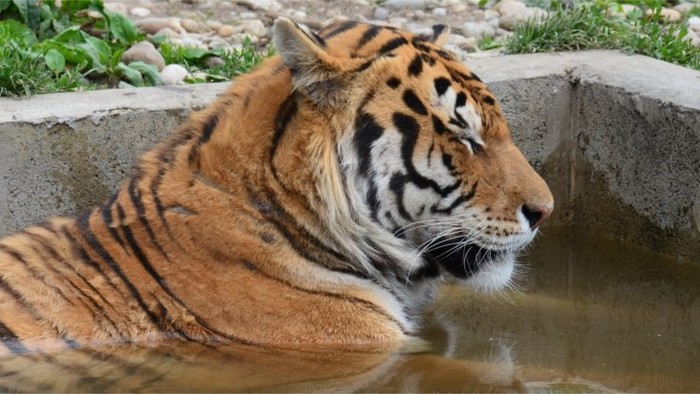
(683, 8)
(621, 10)
(510, 7)
(491, 14)
(140, 12)
(226, 31)
(116, 7)
(478, 30)
(461, 42)
(268, 5)
(509, 21)
(214, 61)
(144, 51)
(667, 15)
(217, 42)
(381, 13)
(191, 25)
(458, 8)
(214, 25)
(398, 21)
(167, 32)
(694, 24)
(299, 14)
(440, 11)
(693, 38)
(173, 74)
(190, 42)
(254, 27)
(248, 15)
(153, 25)
(405, 4)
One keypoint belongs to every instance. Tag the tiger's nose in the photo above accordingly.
(535, 215)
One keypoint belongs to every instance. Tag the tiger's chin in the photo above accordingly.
(481, 269)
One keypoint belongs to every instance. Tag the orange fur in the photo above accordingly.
(241, 227)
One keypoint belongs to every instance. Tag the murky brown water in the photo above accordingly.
(593, 315)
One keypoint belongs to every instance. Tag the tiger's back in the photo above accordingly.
(281, 215)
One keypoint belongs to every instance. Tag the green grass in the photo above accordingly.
(586, 27)
(47, 47)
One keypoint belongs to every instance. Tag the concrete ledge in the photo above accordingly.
(616, 136)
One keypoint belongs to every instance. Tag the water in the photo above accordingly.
(592, 315)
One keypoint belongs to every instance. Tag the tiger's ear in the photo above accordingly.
(437, 34)
(314, 71)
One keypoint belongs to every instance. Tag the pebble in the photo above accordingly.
(144, 51)
(226, 23)
(167, 32)
(381, 13)
(214, 61)
(226, 31)
(254, 27)
(140, 12)
(684, 8)
(694, 24)
(173, 74)
(153, 25)
(404, 4)
(478, 30)
(621, 10)
(440, 11)
(693, 38)
(669, 15)
(191, 25)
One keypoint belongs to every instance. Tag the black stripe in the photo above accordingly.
(87, 234)
(56, 257)
(284, 116)
(109, 220)
(457, 202)
(441, 85)
(137, 202)
(35, 273)
(393, 82)
(344, 26)
(397, 184)
(393, 44)
(364, 66)
(319, 40)
(416, 67)
(410, 129)
(439, 125)
(353, 299)
(367, 36)
(414, 103)
(367, 131)
(207, 131)
(488, 100)
(11, 341)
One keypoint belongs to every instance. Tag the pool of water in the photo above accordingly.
(590, 315)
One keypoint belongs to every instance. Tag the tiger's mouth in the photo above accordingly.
(477, 266)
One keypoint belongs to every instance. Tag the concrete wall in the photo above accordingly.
(617, 137)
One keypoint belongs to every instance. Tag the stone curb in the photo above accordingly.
(616, 136)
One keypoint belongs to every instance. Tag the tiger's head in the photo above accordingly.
(422, 179)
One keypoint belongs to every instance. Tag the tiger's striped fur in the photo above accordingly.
(318, 201)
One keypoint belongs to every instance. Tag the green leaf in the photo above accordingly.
(4, 4)
(13, 31)
(30, 11)
(121, 28)
(132, 75)
(98, 51)
(55, 61)
(149, 72)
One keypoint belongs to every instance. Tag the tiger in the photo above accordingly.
(319, 201)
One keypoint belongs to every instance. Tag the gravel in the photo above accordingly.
(225, 23)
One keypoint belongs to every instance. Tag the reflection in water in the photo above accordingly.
(595, 316)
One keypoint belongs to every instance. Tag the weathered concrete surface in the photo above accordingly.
(64, 153)
(616, 136)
